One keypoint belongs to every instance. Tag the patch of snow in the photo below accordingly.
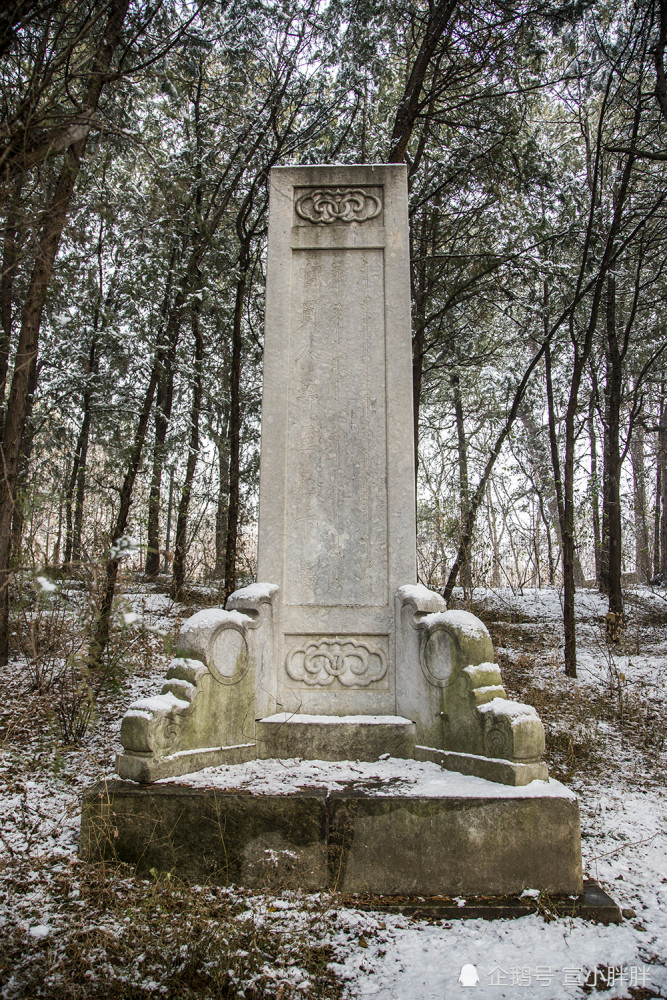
(418, 592)
(179, 682)
(513, 709)
(212, 617)
(487, 687)
(190, 753)
(158, 703)
(337, 720)
(480, 670)
(256, 592)
(394, 777)
(123, 547)
(468, 624)
(40, 931)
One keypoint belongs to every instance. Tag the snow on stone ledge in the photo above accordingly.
(255, 592)
(480, 671)
(514, 709)
(468, 624)
(337, 720)
(146, 707)
(211, 617)
(393, 777)
(417, 592)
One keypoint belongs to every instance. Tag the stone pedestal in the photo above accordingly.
(405, 831)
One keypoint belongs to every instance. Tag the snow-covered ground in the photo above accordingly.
(68, 929)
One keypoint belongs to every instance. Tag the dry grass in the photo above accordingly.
(118, 937)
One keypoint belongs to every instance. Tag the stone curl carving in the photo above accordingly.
(324, 206)
(326, 659)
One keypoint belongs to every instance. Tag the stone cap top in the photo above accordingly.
(341, 166)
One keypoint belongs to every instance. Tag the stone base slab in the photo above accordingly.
(373, 839)
(593, 904)
(323, 737)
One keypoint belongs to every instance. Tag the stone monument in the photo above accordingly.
(338, 654)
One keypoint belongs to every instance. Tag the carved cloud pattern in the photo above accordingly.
(352, 662)
(324, 206)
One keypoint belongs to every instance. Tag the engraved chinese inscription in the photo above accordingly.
(324, 206)
(326, 659)
(336, 511)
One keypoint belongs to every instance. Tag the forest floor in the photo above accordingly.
(70, 929)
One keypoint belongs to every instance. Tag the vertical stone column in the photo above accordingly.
(337, 503)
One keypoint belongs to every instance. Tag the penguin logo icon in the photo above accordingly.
(468, 976)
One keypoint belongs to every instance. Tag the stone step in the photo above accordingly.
(330, 737)
(186, 669)
(483, 695)
(180, 688)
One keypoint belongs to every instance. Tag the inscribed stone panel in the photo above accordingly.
(336, 510)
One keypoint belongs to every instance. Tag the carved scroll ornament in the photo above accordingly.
(323, 206)
(352, 662)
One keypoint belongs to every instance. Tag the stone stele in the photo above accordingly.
(339, 654)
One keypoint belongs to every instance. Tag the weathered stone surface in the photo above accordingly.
(594, 905)
(383, 842)
(267, 841)
(334, 738)
(340, 630)
(425, 846)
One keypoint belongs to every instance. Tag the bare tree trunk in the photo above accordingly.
(493, 530)
(662, 463)
(76, 487)
(612, 472)
(9, 267)
(595, 498)
(163, 405)
(222, 444)
(437, 23)
(661, 460)
(22, 472)
(170, 504)
(180, 544)
(164, 399)
(642, 546)
(234, 438)
(100, 637)
(464, 496)
(80, 495)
